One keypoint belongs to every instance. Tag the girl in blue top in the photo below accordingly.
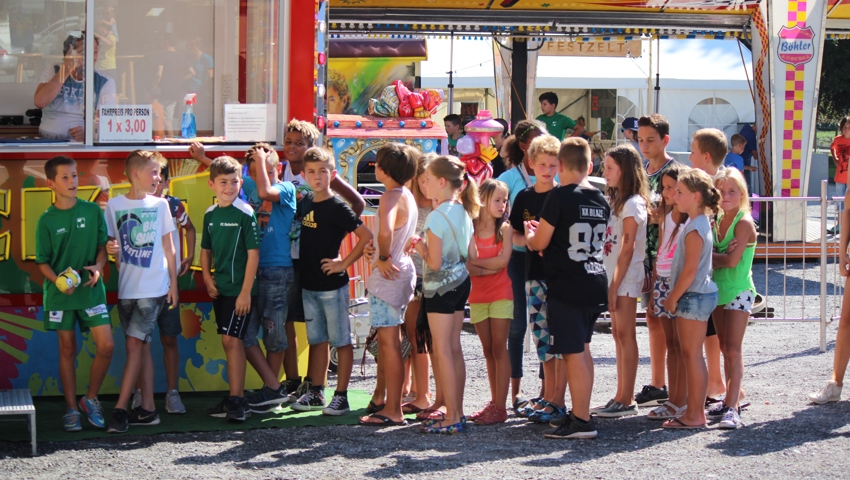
(694, 294)
(445, 284)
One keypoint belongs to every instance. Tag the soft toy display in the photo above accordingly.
(398, 101)
(67, 280)
(475, 148)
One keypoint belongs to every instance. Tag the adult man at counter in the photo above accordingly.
(61, 93)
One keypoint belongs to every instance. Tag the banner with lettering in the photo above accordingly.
(796, 41)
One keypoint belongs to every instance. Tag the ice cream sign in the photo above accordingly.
(796, 45)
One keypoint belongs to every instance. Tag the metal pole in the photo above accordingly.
(823, 264)
(451, 68)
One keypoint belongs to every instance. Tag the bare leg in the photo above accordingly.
(234, 351)
(445, 371)
(499, 331)
(418, 361)
(318, 364)
(657, 350)
(459, 362)
(132, 367)
(170, 360)
(146, 378)
(691, 339)
(389, 351)
(255, 357)
(627, 352)
(482, 328)
(579, 371)
(103, 357)
(67, 372)
(731, 336)
(676, 388)
(290, 356)
(345, 356)
(716, 386)
(275, 361)
(842, 339)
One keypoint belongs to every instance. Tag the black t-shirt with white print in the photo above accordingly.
(574, 269)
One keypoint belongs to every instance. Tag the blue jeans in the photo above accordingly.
(516, 337)
(840, 189)
(326, 317)
(275, 290)
(696, 306)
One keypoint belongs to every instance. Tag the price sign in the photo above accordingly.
(125, 124)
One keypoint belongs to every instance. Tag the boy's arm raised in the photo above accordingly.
(196, 151)
(243, 301)
(261, 178)
(332, 266)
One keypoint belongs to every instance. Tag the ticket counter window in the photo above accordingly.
(147, 54)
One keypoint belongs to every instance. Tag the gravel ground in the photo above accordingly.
(783, 436)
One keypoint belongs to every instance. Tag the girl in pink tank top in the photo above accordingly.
(491, 298)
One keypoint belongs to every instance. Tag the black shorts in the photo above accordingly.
(710, 330)
(296, 306)
(226, 319)
(570, 326)
(451, 302)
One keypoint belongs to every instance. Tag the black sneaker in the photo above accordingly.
(140, 416)
(237, 409)
(651, 396)
(574, 429)
(290, 386)
(267, 396)
(338, 406)
(120, 421)
(716, 412)
(310, 401)
(219, 410)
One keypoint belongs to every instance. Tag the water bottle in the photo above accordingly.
(189, 129)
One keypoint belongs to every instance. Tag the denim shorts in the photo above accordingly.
(138, 316)
(382, 314)
(169, 321)
(326, 317)
(696, 306)
(275, 289)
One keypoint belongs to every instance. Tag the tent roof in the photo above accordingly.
(685, 64)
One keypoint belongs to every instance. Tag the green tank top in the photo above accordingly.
(732, 281)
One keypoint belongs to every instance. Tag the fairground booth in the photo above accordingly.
(244, 69)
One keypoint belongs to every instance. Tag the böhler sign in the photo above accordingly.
(567, 48)
(796, 45)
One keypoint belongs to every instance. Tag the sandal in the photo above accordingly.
(439, 428)
(666, 411)
(410, 409)
(676, 424)
(384, 421)
(374, 407)
(475, 416)
(426, 413)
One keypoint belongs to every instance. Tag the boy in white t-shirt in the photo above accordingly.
(139, 224)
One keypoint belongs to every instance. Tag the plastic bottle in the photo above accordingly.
(189, 130)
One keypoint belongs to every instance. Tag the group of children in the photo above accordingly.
(563, 255)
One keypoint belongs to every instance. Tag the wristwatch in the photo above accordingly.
(383, 258)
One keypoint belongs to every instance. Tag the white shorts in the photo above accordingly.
(742, 302)
(631, 290)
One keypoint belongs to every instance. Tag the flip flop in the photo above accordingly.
(425, 414)
(373, 407)
(711, 400)
(384, 421)
(410, 409)
(676, 424)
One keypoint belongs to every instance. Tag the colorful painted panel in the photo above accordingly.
(704, 6)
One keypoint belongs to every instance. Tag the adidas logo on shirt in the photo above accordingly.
(308, 221)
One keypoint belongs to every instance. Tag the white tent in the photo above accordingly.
(704, 83)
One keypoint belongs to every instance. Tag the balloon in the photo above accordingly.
(466, 145)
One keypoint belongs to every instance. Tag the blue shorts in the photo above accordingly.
(696, 306)
(138, 316)
(275, 289)
(382, 314)
(326, 317)
(169, 321)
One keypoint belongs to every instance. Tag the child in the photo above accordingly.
(274, 204)
(491, 298)
(694, 295)
(629, 129)
(840, 150)
(735, 288)
(575, 276)
(231, 243)
(72, 234)
(653, 136)
(543, 152)
(733, 158)
(670, 229)
(708, 149)
(556, 123)
(446, 282)
(624, 252)
(454, 131)
(421, 381)
(169, 318)
(393, 277)
(140, 225)
(326, 221)
(518, 177)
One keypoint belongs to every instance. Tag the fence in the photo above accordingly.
(797, 256)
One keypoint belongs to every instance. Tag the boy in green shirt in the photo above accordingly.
(72, 233)
(231, 241)
(556, 124)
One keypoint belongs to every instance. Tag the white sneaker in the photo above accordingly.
(173, 404)
(137, 399)
(731, 420)
(830, 393)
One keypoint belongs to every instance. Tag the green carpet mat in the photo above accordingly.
(49, 412)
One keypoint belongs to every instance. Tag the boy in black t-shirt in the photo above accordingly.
(325, 222)
(528, 204)
(570, 233)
